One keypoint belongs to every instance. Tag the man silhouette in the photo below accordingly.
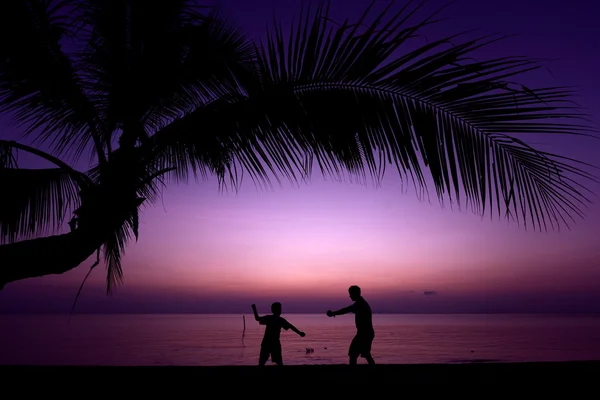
(361, 344)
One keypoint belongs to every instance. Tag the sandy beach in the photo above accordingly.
(297, 375)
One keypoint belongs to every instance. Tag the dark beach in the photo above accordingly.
(296, 375)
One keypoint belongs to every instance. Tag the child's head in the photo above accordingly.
(276, 308)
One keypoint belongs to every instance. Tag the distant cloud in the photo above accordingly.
(430, 293)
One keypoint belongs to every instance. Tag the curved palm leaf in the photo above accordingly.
(114, 249)
(340, 96)
(35, 201)
(38, 82)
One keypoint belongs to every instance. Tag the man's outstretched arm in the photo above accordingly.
(342, 311)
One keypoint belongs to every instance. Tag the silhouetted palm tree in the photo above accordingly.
(158, 89)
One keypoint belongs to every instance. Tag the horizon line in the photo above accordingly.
(294, 313)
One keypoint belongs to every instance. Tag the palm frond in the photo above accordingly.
(39, 85)
(215, 57)
(196, 143)
(123, 184)
(344, 97)
(7, 156)
(114, 249)
(35, 201)
(151, 61)
(436, 105)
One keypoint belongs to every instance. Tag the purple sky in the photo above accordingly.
(202, 251)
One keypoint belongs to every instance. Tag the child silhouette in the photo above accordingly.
(271, 346)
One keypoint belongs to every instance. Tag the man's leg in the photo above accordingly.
(366, 349)
(354, 350)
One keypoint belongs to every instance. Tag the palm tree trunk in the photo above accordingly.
(45, 256)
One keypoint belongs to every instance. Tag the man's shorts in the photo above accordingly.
(361, 345)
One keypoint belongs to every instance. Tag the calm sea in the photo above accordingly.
(192, 339)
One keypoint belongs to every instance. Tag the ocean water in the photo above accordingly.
(192, 339)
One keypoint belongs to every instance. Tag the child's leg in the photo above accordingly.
(276, 355)
(264, 355)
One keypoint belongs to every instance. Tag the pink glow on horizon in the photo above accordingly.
(319, 239)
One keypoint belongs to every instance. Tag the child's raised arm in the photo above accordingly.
(256, 317)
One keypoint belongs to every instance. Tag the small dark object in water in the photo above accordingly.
(309, 350)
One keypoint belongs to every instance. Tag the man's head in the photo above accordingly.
(276, 308)
(354, 292)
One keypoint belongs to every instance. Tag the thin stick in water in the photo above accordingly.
(244, 331)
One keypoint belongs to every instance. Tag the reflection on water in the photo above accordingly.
(189, 339)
